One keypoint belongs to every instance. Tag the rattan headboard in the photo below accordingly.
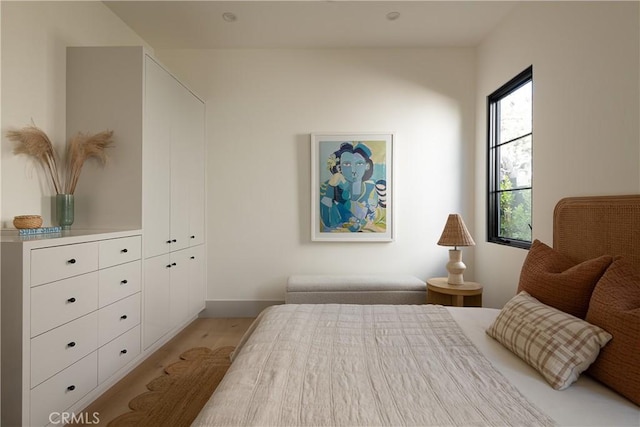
(587, 227)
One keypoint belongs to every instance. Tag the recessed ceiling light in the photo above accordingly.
(229, 17)
(392, 16)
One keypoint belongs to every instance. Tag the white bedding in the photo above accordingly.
(283, 377)
(585, 403)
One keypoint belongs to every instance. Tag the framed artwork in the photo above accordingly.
(352, 187)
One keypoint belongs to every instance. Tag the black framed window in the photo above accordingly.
(510, 143)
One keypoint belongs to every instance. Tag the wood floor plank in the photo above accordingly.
(202, 332)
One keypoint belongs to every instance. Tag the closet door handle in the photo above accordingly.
(123, 351)
(173, 240)
(173, 264)
(71, 388)
(71, 344)
(193, 257)
(123, 317)
(71, 300)
(124, 251)
(71, 261)
(124, 282)
(168, 241)
(193, 237)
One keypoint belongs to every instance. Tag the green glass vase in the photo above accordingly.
(64, 210)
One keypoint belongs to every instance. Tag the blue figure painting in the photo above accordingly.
(353, 187)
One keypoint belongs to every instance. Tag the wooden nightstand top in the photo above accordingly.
(439, 284)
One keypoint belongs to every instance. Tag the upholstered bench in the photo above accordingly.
(355, 289)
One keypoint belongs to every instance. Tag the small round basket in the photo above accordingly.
(27, 221)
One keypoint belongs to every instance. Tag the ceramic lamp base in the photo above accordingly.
(455, 267)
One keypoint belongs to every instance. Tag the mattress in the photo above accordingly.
(394, 365)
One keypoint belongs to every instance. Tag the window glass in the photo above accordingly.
(510, 158)
(515, 113)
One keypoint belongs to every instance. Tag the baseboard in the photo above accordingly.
(236, 308)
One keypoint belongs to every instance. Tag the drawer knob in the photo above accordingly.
(123, 317)
(173, 264)
(124, 282)
(168, 265)
(124, 251)
(72, 299)
(168, 241)
(193, 257)
(72, 261)
(123, 351)
(173, 240)
(71, 344)
(193, 237)
(71, 388)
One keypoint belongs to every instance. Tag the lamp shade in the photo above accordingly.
(455, 233)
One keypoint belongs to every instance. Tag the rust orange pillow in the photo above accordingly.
(556, 280)
(615, 307)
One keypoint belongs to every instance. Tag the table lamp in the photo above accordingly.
(455, 234)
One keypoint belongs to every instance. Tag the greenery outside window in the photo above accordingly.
(510, 139)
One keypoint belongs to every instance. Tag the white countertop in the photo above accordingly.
(10, 235)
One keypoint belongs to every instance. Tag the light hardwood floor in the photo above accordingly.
(202, 332)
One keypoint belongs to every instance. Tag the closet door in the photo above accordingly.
(197, 177)
(179, 310)
(157, 298)
(197, 279)
(157, 158)
(181, 162)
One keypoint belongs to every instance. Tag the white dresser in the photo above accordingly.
(71, 319)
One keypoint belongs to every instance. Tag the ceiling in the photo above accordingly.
(310, 24)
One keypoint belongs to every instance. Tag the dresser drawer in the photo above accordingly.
(60, 302)
(119, 251)
(53, 351)
(63, 390)
(60, 262)
(117, 318)
(119, 282)
(115, 355)
(118, 353)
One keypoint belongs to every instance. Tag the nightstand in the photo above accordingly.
(440, 292)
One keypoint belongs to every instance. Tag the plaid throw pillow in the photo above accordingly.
(558, 345)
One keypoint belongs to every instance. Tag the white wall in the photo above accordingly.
(34, 40)
(261, 107)
(586, 140)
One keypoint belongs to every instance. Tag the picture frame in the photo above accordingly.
(352, 187)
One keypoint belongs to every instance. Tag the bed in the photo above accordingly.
(369, 365)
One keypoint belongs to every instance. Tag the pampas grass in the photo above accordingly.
(81, 148)
(35, 143)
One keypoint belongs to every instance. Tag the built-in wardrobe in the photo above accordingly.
(131, 272)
